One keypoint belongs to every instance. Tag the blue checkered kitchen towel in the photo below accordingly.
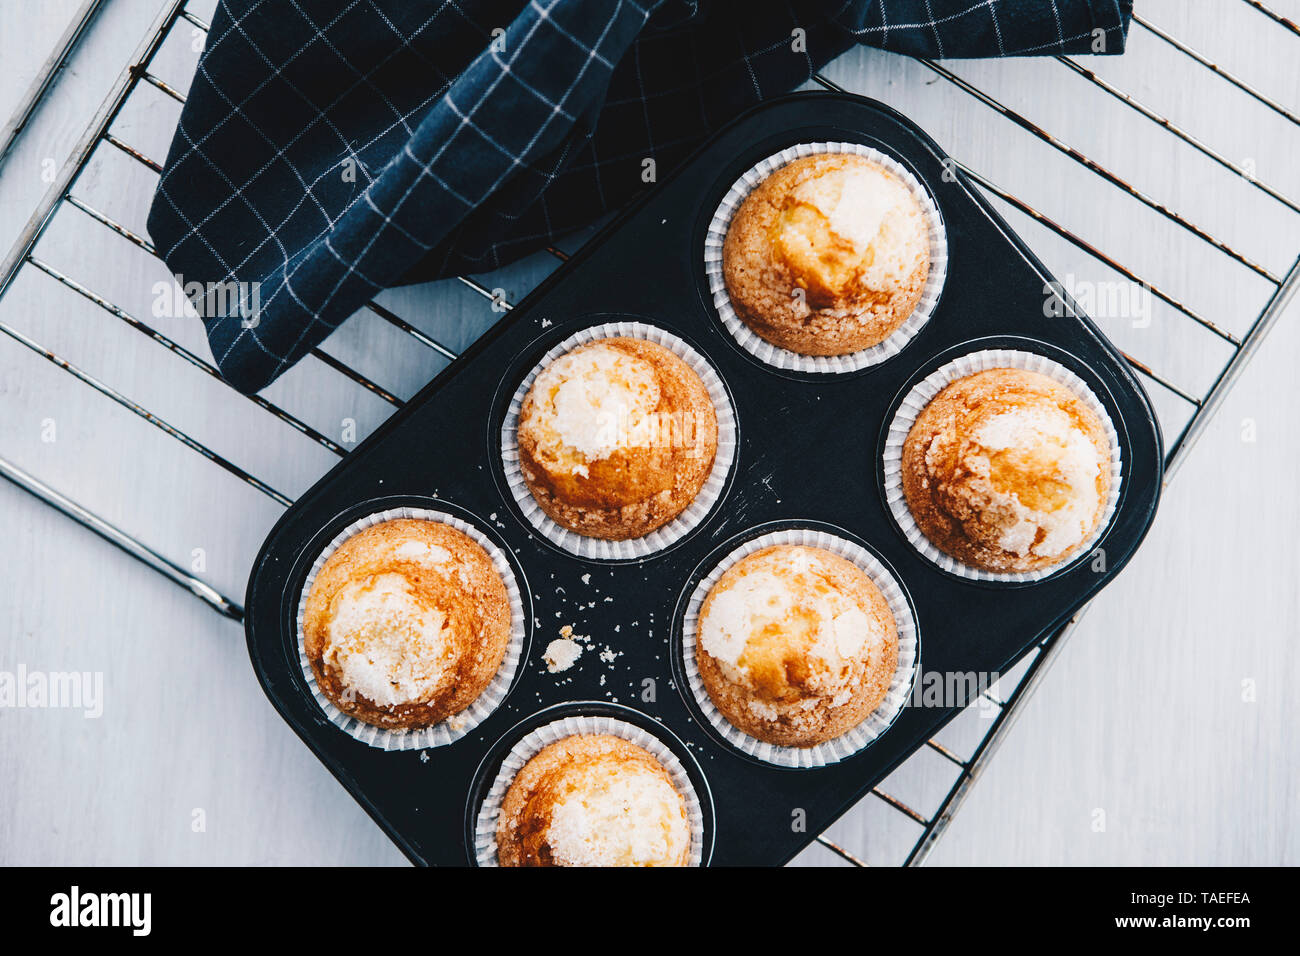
(332, 148)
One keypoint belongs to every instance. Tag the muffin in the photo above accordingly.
(616, 438)
(827, 256)
(796, 645)
(593, 800)
(1007, 470)
(406, 623)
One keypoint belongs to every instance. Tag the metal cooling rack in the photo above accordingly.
(1185, 409)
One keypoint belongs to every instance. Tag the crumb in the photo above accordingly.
(561, 654)
(566, 632)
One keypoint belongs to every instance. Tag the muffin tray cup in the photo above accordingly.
(589, 717)
(809, 455)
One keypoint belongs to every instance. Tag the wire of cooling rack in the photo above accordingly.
(48, 74)
(24, 256)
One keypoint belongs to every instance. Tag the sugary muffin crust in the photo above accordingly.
(593, 800)
(796, 645)
(616, 438)
(406, 623)
(827, 256)
(1007, 470)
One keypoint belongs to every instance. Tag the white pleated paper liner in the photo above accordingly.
(485, 829)
(670, 533)
(921, 395)
(781, 358)
(457, 725)
(876, 723)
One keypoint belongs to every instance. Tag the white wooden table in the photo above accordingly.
(1165, 732)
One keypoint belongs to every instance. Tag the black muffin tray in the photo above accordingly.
(809, 447)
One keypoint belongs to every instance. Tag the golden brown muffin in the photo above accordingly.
(406, 623)
(796, 645)
(593, 800)
(1007, 470)
(827, 256)
(616, 438)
